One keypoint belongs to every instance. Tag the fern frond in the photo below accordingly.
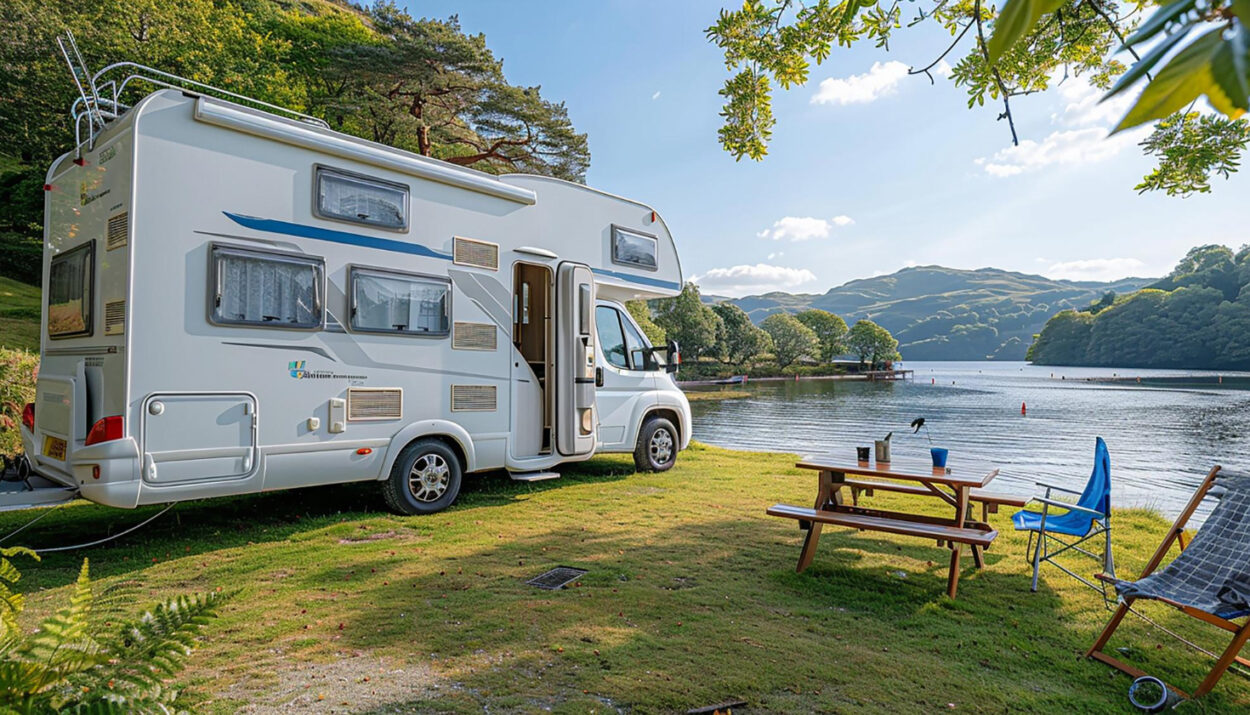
(11, 603)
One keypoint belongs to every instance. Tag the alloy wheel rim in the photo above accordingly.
(429, 477)
(661, 446)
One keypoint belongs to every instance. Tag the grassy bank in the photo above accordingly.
(19, 315)
(691, 599)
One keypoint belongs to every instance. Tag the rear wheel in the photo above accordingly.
(656, 450)
(425, 478)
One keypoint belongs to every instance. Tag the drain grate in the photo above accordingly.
(557, 578)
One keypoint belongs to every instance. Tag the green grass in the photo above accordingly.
(19, 315)
(691, 599)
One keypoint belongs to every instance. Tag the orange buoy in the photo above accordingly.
(933, 381)
(1024, 409)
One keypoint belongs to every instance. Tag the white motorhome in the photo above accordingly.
(240, 301)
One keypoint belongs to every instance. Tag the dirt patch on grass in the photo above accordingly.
(350, 684)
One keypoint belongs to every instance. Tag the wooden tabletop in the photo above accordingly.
(905, 469)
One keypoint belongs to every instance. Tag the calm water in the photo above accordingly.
(1163, 440)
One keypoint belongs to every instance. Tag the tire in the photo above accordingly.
(658, 442)
(424, 480)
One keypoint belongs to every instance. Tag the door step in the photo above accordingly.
(533, 476)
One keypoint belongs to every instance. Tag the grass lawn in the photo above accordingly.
(691, 600)
(19, 315)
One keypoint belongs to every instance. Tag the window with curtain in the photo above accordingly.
(70, 292)
(385, 302)
(359, 199)
(273, 290)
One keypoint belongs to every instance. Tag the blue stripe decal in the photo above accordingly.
(324, 234)
(655, 282)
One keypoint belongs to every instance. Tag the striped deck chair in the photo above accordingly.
(1209, 580)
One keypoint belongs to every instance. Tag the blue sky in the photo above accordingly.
(868, 171)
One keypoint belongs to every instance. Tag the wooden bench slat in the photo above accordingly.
(975, 537)
(997, 498)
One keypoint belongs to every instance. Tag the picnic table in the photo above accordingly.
(958, 489)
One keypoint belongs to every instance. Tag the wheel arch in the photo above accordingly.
(452, 434)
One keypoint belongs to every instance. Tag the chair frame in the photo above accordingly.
(1241, 633)
(1039, 552)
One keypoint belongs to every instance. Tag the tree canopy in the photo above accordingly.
(741, 341)
(829, 328)
(418, 84)
(687, 320)
(871, 343)
(1196, 317)
(1020, 47)
(792, 340)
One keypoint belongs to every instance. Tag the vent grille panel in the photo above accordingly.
(115, 317)
(374, 403)
(472, 398)
(470, 252)
(118, 230)
(474, 336)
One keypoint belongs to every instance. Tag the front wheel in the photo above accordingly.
(424, 480)
(656, 450)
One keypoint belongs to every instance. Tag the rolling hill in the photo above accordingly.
(942, 313)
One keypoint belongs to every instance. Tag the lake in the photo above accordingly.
(1162, 440)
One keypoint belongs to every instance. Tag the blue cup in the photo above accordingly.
(939, 456)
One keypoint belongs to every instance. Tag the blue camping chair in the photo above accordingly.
(1088, 518)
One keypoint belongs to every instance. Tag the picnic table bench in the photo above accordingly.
(953, 489)
(989, 501)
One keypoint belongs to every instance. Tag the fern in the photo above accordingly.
(75, 662)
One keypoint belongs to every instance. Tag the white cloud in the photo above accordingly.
(738, 281)
(796, 228)
(1095, 269)
(942, 69)
(1070, 147)
(656, 95)
(776, 254)
(1083, 105)
(880, 81)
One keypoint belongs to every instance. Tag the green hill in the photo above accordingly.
(19, 315)
(1198, 317)
(942, 313)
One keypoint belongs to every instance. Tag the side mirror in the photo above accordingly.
(672, 357)
(598, 377)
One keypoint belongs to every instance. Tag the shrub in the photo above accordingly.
(85, 658)
(18, 370)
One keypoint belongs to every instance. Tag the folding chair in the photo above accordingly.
(1209, 580)
(1088, 518)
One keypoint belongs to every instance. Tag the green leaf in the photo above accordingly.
(1185, 78)
(1241, 8)
(1142, 66)
(1160, 20)
(1228, 72)
(1014, 22)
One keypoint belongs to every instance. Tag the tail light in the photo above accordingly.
(28, 416)
(106, 429)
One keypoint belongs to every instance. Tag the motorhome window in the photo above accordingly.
(611, 339)
(384, 302)
(634, 249)
(636, 346)
(359, 199)
(272, 290)
(70, 286)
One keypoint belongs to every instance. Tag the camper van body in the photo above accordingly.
(238, 302)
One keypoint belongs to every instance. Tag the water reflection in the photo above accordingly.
(1162, 439)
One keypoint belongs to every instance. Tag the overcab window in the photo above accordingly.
(70, 284)
(388, 302)
(345, 196)
(631, 248)
(274, 290)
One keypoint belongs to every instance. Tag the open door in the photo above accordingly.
(575, 360)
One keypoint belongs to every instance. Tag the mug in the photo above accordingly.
(883, 450)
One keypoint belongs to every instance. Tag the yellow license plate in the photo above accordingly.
(54, 447)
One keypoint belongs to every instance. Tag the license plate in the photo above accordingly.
(54, 447)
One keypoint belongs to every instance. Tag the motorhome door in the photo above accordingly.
(189, 437)
(575, 360)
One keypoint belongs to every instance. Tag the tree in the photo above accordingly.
(642, 315)
(688, 321)
(830, 328)
(792, 340)
(871, 343)
(741, 341)
(1016, 51)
